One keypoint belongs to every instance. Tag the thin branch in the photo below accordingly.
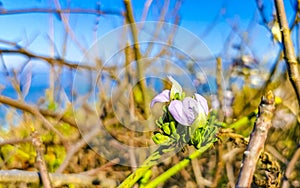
(146, 10)
(34, 111)
(68, 28)
(38, 145)
(229, 158)
(219, 165)
(138, 56)
(61, 11)
(276, 154)
(289, 53)
(261, 9)
(59, 116)
(13, 176)
(76, 147)
(14, 141)
(50, 60)
(290, 167)
(96, 170)
(201, 181)
(220, 88)
(257, 140)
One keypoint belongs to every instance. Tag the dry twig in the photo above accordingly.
(14, 141)
(138, 55)
(13, 176)
(34, 111)
(76, 147)
(257, 140)
(38, 145)
(289, 53)
(291, 167)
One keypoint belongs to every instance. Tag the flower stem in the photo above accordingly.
(172, 171)
(149, 162)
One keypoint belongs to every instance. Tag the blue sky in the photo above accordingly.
(33, 30)
(211, 21)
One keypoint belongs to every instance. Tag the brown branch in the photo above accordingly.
(229, 158)
(76, 147)
(289, 53)
(61, 117)
(257, 140)
(138, 55)
(50, 60)
(290, 167)
(276, 154)
(68, 28)
(146, 10)
(13, 176)
(61, 11)
(33, 110)
(38, 145)
(14, 141)
(96, 170)
(219, 165)
(201, 181)
(220, 88)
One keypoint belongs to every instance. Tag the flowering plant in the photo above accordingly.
(185, 118)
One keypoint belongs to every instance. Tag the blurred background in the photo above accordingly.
(71, 62)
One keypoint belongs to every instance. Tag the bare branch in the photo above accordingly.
(76, 147)
(289, 53)
(290, 167)
(59, 116)
(138, 55)
(61, 11)
(14, 141)
(34, 111)
(13, 176)
(96, 170)
(50, 60)
(38, 145)
(257, 140)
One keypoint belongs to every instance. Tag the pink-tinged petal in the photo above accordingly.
(203, 102)
(191, 109)
(164, 96)
(176, 109)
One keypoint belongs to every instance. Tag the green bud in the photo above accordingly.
(161, 121)
(158, 124)
(166, 128)
(176, 136)
(159, 138)
(146, 177)
(167, 150)
(173, 127)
